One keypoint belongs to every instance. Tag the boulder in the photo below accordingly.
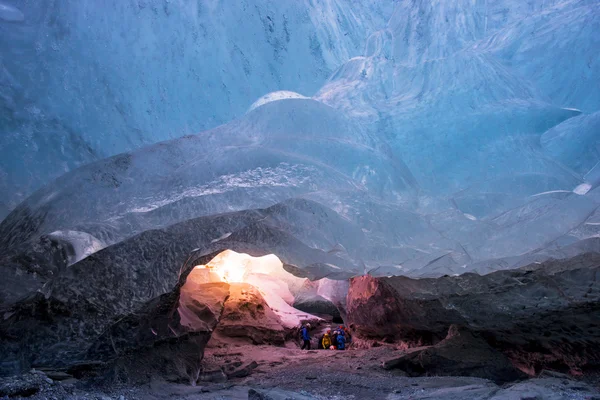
(88, 318)
(166, 337)
(247, 317)
(461, 353)
(543, 316)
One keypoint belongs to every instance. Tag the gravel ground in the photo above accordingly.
(289, 373)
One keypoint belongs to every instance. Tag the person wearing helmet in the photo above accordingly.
(326, 342)
(333, 336)
(305, 337)
(341, 341)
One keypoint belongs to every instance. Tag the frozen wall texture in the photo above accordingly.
(427, 138)
(84, 79)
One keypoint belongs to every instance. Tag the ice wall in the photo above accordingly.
(466, 132)
(82, 80)
(455, 87)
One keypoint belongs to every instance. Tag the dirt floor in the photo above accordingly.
(357, 374)
(290, 373)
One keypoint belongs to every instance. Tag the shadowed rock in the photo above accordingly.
(540, 316)
(147, 265)
(461, 353)
(82, 321)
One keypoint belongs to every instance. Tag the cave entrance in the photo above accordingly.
(260, 303)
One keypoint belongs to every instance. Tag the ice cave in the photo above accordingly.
(300, 199)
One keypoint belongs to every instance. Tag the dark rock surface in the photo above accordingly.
(90, 317)
(105, 305)
(541, 316)
(131, 305)
(25, 385)
(147, 265)
(461, 353)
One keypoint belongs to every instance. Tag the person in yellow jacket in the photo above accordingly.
(326, 342)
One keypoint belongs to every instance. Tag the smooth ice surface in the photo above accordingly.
(438, 135)
(83, 80)
(10, 13)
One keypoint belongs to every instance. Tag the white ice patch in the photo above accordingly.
(83, 244)
(550, 192)
(284, 175)
(275, 96)
(225, 236)
(333, 290)
(582, 189)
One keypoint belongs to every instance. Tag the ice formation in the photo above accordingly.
(10, 13)
(81, 81)
(264, 273)
(464, 137)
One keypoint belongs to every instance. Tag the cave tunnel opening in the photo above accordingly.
(255, 300)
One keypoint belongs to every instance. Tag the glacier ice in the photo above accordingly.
(575, 143)
(10, 13)
(462, 136)
(80, 81)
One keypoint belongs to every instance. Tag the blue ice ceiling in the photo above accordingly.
(442, 136)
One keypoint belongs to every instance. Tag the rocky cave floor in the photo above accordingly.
(290, 373)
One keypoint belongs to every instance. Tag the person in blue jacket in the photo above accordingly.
(341, 342)
(305, 337)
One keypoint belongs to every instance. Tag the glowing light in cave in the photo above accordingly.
(234, 267)
(266, 274)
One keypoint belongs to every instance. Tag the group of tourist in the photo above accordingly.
(336, 339)
(333, 339)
